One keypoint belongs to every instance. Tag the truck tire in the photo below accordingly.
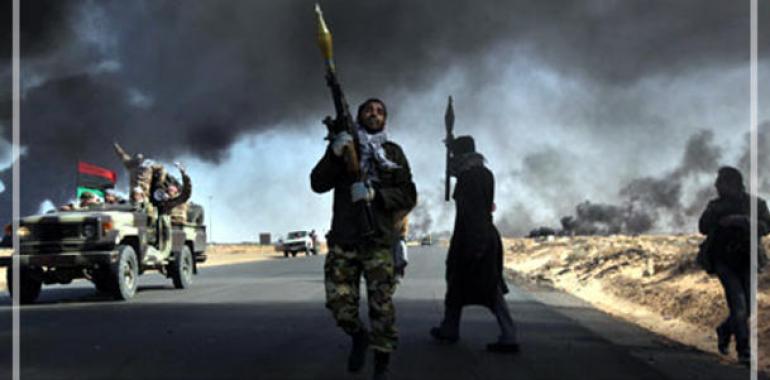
(124, 274)
(286, 254)
(293, 253)
(181, 269)
(307, 251)
(29, 284)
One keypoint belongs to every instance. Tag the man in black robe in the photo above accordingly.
(726, 223)
(474, 264)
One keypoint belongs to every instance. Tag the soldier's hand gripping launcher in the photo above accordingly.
(449, 122)
(343, 122)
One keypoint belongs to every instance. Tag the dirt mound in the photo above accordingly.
(650, 280)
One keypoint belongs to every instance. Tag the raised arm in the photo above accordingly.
(186, 189)
(121, 153)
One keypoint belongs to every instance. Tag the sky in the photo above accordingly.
(630, 105)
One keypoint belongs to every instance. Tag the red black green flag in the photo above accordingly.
(94, 178)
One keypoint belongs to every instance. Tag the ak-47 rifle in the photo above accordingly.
(343, 121)
(449, 122)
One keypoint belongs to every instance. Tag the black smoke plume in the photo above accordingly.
(169, 78)
(763, 158)
(655, 203)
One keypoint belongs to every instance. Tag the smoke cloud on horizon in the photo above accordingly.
(567, 83)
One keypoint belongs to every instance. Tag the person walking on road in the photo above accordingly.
(474, 264)
(353, 251)
(726, 253)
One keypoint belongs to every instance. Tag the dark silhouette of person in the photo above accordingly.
(474, 264)
(726, 224)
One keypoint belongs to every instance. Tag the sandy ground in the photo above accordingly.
(218, 254)
(224, 254)
(652, 281)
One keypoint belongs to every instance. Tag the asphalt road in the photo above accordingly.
(266, 320)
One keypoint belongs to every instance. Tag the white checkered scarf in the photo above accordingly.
(372, 154)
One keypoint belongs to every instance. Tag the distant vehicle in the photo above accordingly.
(110, 246)
(427, 240)
(298, 241)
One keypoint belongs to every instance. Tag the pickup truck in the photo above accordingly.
(298, 241)
(110, 245)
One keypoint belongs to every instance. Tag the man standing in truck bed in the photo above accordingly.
(140, 173)
(390, 191)
(166, 197)
(179, 212)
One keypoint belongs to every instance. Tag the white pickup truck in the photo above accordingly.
(299, 241)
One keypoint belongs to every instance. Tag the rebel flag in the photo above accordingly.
(95, 179)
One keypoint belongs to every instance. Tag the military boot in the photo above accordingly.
(357, 357)
(381, 360)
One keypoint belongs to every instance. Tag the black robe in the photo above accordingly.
(474, 264)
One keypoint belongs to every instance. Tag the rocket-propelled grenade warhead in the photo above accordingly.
(324, 38)
(449, 116)
(449, 123)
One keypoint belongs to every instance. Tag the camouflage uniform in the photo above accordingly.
(352, 252)
(179, 214)
(165, 207)
(343, 271)
(142, 177)
(140, 173)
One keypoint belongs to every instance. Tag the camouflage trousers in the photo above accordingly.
(179, 213)
(342, 272)
(163, 230)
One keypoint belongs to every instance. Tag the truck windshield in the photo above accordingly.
(296, 234)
